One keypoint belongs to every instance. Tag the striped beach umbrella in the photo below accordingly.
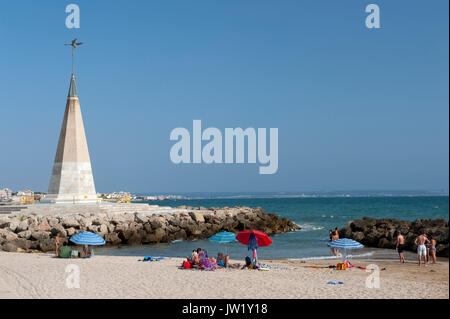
(223, 237)
(87, 238)
(346, 244)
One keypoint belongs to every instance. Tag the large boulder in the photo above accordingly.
(70, 221)
(22, 226)
(47, 245)
(198, 217)
(381, 232)
(40, 235)
(113, 239)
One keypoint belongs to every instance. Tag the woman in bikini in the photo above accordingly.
(57, 245)
(433, 248)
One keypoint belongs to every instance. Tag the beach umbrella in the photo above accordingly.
(253, 239)
(87, 238)
(346, 244)
(223, 237)
(261, 238)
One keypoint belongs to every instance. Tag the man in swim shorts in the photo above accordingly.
(400, 246)
(420, 241)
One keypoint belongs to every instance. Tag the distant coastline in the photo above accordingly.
(272, 195)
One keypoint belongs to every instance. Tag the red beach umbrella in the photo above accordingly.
(244, 236)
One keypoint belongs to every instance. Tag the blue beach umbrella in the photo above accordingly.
(223, 237)
(346, 244)
(87, 238)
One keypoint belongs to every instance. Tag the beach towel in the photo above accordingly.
(207, 265)
(150, 258)
(335, 283)
(275, 267)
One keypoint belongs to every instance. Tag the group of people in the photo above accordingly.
(334, 235)
(64, 251)
(200, 260)
(426, 247)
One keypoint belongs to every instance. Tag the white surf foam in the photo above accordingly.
(333, 257)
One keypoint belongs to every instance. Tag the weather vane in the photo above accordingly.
(74, 44)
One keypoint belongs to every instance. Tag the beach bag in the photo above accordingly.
(186, 265)
(341, 266)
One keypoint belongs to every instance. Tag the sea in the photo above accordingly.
(314, 214)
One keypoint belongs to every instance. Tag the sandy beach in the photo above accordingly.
(43, 276)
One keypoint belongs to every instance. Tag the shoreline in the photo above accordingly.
(40, 275)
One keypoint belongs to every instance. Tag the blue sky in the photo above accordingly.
(356, 109)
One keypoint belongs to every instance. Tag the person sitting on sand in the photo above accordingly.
(400, 245)
(248, 263)
(420, 242)
(194, 259)
(205, 262)
(224, 261)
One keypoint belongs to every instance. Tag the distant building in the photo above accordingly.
(5, 194)
(25, 192)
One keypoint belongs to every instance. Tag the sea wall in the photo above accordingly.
(36, 232)
(380, 232)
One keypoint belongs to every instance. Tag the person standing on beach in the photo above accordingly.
(433, 249)
(335, 236)
(400, 246)
(420, 241)
(57, 245)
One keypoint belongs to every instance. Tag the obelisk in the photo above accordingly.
(72, 180)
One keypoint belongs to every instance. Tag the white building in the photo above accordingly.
(25, 192)
(5, 194)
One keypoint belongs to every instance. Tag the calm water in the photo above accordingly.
(315, 215)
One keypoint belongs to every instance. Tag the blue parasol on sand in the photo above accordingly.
(346, 244)
(87, 238)
(223, 237)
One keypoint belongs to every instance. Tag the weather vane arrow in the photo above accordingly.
(74, 44)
